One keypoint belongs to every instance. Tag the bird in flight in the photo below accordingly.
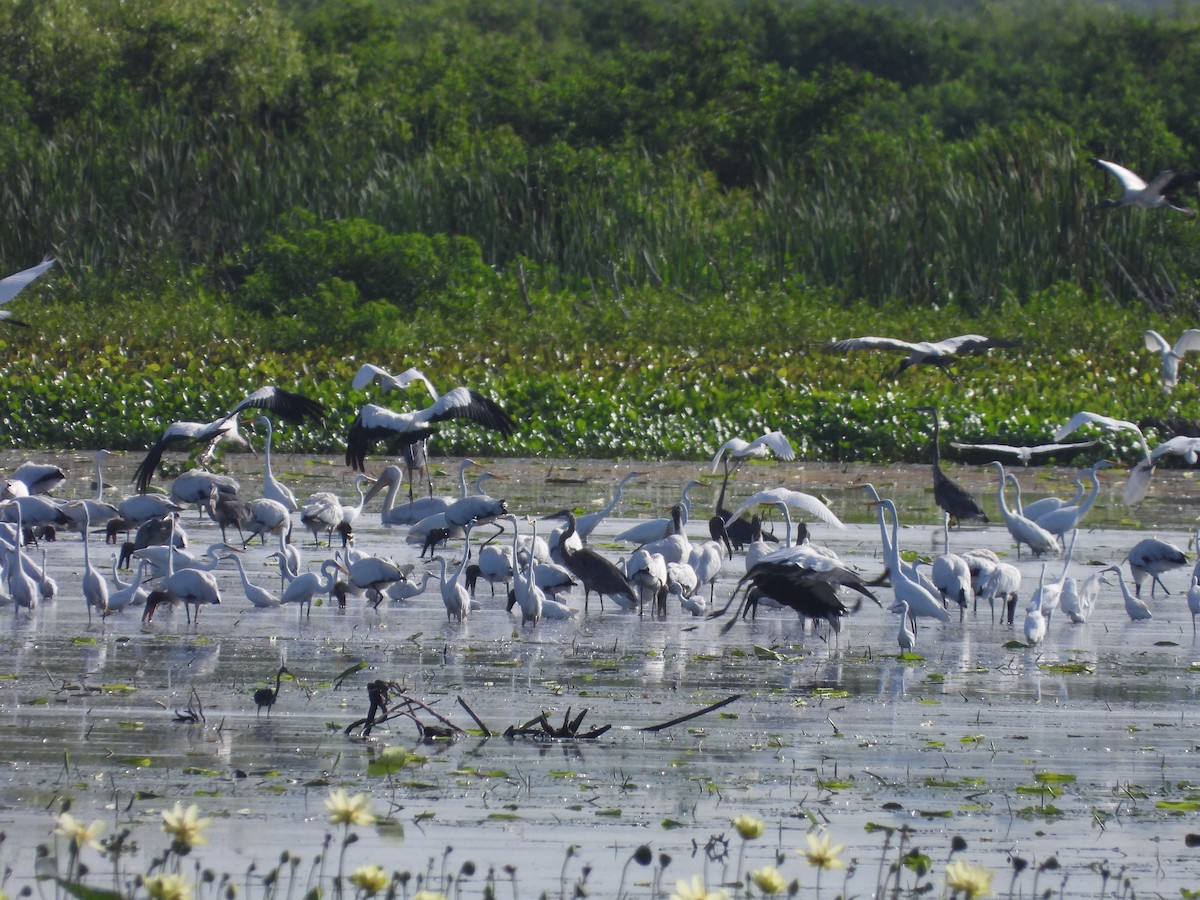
(1159, 192)
(1024, 454)
(15, 283)
(1172, 355)
(375, 423)
(291, 406)
(930, 353)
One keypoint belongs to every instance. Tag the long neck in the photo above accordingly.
(1000, 491)
(892, 547)
(787, 518)
(267, 450)
(937, 453)
(99, 479)
(462, 478)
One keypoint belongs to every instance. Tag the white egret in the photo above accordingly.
(273, 488)
(13, 284)
(259, 597)
(1024, 454)
(736, 450)
(306, 585)
(1135, 607)
(930, 353)
(1022, 529)
(1171, 355)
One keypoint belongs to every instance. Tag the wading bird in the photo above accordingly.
(949, 495)
(595, 572)
(273, 488)
(1158, 193)
(1135, 607)
(286, 404)
(941, 353)
(266, 696)
(1149, 558)
(307, 585)
(416, 453)
(13, 284)
(1023, 530)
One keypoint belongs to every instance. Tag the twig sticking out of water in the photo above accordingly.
(383, 693)
(541, 728)
(695, 715)
(463, 703)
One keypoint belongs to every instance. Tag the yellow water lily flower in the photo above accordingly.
(347, 810)
(823, 853)
(749, 827)
(185, 826)
(695, 889)
(82, 835)
(968, 879)
(429, 895)
(168, 887)
(370, 879)
(769, 880)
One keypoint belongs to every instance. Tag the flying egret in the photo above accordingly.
(1139, 479)
(1171, 355)
(795, 499)
(11, 285)
(736, 450)
(1158, 193)
(291, 406)
(1024, 454)
(930, 353)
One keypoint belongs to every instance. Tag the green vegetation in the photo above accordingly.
(635, 222)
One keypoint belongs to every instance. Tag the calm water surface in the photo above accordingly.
(1084, 748)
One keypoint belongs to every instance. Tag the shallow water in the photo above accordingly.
(837, 733)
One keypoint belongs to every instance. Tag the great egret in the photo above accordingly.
(273, 488)
(1024, 454)
(1171, 355)
(1067, 518)
(454, 593)
(1193, 599)
(904, 587)
(949, 495)
(374, 423)
(794, 499)
(736, 450)
(655, 529)
(1135, 607)
(95, 586)
(286, 404)
(416, 454)
(526, 592)
(128, 593)
(1139, 479)
(1035, 619)
(950, 573)
(906, 636)
(1158, 193)
(13, 284)
(306, 585)
(259, 597)
(1023, 530)
(322, 511)
(930, 353)
(647, 571)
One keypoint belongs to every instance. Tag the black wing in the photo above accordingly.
(362, 437)
(288, 405)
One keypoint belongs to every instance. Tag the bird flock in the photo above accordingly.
(546, 567)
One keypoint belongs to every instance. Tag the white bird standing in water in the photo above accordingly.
(1135, 607)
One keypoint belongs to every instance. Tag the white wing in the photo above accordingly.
(1106, 422)
(1139, 482)
(735, 446)
(1024, 453)
(15, 283)
(1189, 340)
(1131, 181)
(1187, 447)
(1155, 341)
(776, 443)
(876, 343)
(366, 374)
(804, 502)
